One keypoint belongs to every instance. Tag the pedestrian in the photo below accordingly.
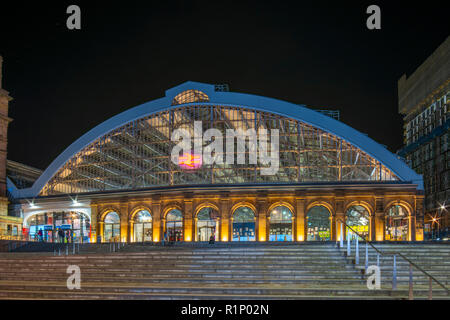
(41, 238)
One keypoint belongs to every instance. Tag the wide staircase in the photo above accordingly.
(220, 271)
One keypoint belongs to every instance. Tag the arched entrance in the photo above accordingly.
(60, 227)
(281, 227)
(143, 226)
(397, 224)
(112, 227)
(207, 224)
(358, 218)
(174, 225)
(318, 224)
(244, 224)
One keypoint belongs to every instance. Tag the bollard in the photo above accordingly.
(394, 275)
(114, 247)
(357, 250)
(342, 236)
(73, 249)
(378, 260)
(367, 255)
(430, 289)
(67, 250)
(78, 247)
(411, 294)
(110, 247)
(348, 244)
(54, 252)
(59, 251)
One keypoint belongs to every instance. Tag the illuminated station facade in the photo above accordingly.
(119, 182)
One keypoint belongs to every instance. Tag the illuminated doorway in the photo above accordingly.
(174, 225)
(143, 227)
(244, 224)
(358, 218)
(207, 224)
(112, 227)
(318, 224)
(397, 224)
(280, 224)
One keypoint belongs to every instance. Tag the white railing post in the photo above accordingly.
(357, 250)
(394, 275)
(342, 236)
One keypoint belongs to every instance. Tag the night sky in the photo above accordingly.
(320, 54)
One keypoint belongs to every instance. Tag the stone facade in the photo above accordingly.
(377, 201)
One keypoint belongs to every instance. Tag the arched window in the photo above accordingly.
(112, 227)
(244, 224)
(143, 226)
(280, 224)
(318, 221)
(358, 218)
(207, 224)
(174, 225)
(60, 227)
(190, 96)
(397, 224)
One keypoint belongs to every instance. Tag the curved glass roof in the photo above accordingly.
(138, 154)
(133, 149)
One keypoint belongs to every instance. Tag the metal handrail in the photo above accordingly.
(395, 253)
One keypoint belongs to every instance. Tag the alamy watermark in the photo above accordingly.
(74, 280)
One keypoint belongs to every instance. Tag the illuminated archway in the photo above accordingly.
(64, 226)
(142, 226)
(318, 224)
(281, 224)
(174, 226)
(207, 224)
(244, 224)
(397, 223)
(111, 232)
(358, 218)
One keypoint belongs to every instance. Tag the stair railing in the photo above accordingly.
(394, 254)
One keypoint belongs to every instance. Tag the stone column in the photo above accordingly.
(131, 231)
(187, 219)
(379, 226)
(94, 223)
(380, 220)
(338, 218)
(158, 231)
(412, 227)
(101, 230)
(333, 226)
(124, 236)
(301, 219)
(260, 223)
(194, 230)
(224, 207)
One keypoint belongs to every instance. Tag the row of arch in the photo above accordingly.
(206, 223)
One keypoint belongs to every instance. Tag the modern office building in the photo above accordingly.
(260, 169)
(424, 102)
